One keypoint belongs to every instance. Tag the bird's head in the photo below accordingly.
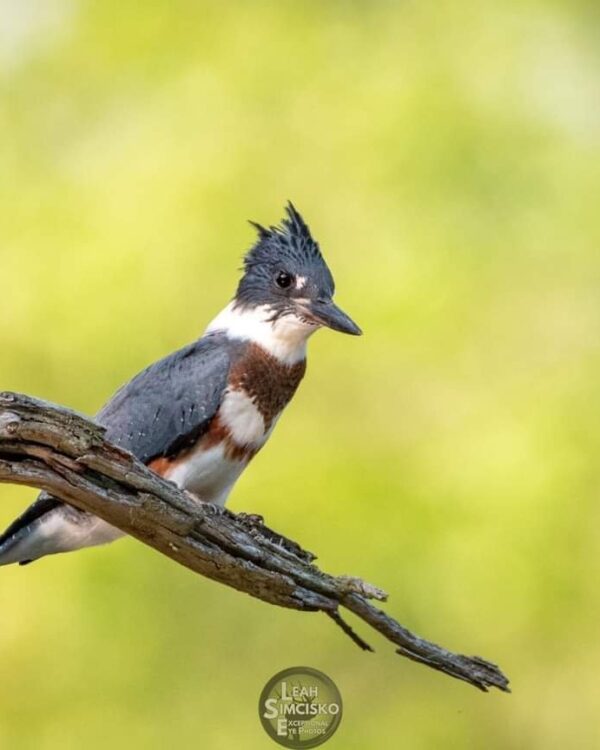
(286, 277)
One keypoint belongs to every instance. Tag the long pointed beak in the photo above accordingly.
(327, 313)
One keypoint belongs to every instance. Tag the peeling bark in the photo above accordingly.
(58, 450)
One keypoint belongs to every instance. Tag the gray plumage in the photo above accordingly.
(162, 410)
(169, 405)
(185, 410)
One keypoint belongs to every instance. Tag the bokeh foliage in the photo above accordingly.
(446, 155)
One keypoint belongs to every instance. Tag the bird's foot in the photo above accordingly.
(192, 496)
(207, 506)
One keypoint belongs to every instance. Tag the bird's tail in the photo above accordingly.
(48, 527)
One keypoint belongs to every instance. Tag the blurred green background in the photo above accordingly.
(446, 156)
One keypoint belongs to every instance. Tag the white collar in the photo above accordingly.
(284, 338)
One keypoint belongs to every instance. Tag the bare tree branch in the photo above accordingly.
(58, 450)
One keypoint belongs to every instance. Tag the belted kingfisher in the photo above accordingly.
(198, 416)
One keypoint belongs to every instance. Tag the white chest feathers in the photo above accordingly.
(210, 471)
(242, 418)
(210, 474)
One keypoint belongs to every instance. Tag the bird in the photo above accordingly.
(198, 416)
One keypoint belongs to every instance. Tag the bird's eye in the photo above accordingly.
(283, 279)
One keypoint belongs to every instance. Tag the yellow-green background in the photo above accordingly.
(447, 157)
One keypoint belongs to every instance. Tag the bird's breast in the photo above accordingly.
(258, 389)
(242, 419)
(266, 382)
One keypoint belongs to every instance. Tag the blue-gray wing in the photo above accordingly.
(170, 404)
(163, 410)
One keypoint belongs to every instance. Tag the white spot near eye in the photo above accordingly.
(300, 282)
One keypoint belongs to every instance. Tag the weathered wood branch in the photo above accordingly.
(58, 450)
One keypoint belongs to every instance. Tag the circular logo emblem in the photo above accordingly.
(300, 707)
